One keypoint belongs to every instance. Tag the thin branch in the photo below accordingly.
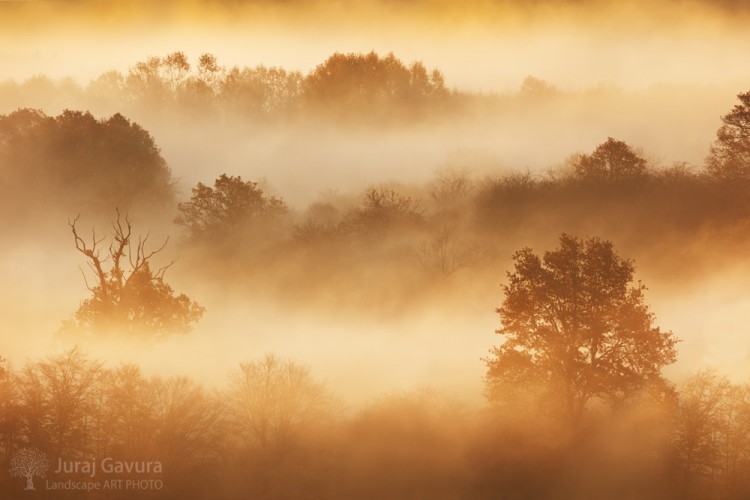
(85, 280)
(159, 274)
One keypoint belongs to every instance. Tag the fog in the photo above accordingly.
(344, 192)
(653, 81)
(657, 77)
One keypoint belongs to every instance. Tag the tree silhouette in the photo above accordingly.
(223, 212)
(359, 85)
(284, 421)
(274, 402)
(730, 154)
(260, 91)
(129, 298)
(445, 252)
(57, 397)
(28, 463)
(78, 160)
(575, 329)
(611, 160)
(711, 438)
(383, 209)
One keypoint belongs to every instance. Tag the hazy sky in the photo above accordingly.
(480, 45)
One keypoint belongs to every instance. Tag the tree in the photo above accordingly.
(157, 81)
(79, 161)
(575, 329)
(260, 91)
(283, 421)
(226, 210)
(29, 462)
(359, 85)
(711, 439)
(729, 157)
(275, 402)
(9, 415)
(129, 298)
(56, 399)
(383, 209)
(612, 160)
(445, 253)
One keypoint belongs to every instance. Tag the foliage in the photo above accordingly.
(384, 209)
(129, 298)
(227, 210)
(575, 329)
(283, 422)
(612, 160)
(729, 158)
(81, 161)
(356, 84)
(711, 437)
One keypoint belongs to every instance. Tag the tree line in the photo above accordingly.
(274, 431)
(455, 224)
(577, 404)
(344, 87)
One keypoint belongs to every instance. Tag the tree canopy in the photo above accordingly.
(130, 298)
(79, 160)
(227, 209)
(730, 154)
(576, 329)
(353, 83)
(612, 160)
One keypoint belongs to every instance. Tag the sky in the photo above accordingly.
(480, 45)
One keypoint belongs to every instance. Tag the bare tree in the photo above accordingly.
(56, 401)
(275, 403)
(29, 462)
(127, 295)
(444, 253)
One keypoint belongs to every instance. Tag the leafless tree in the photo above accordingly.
(127, 295)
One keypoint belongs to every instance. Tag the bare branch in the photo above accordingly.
(85, 280)
(159, 274)
(91, 252)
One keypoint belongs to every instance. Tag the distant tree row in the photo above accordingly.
(77, 163)
(376, 88)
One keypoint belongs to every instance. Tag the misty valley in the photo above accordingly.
(355, 279)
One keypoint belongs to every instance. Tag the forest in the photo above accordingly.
(232, 273)
(549, 423)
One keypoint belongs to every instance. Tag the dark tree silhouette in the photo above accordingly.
(260, 91)
(284, 422)
(57, 397)
(129, 298)
(227, 209)
(382, 209)
(730, 154)
(611, 160)
(275, 402)
(158, 80)
(575, 329)
(80, 160)
(372, 86)
(711, 438)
